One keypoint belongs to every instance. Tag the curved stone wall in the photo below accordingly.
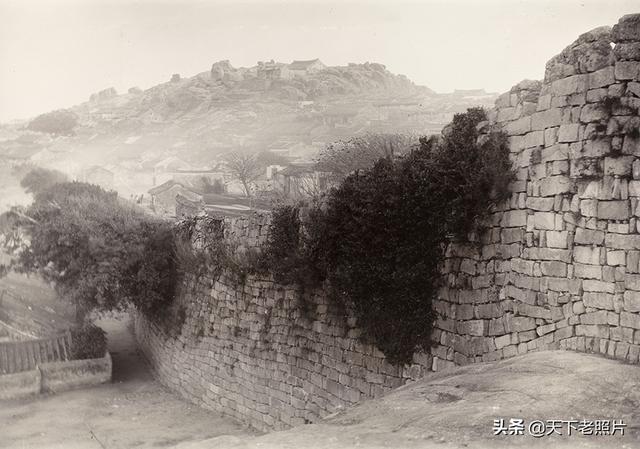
(557, 267)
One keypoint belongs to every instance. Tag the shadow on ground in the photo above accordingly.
(134, 411)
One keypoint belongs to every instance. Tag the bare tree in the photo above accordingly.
(246, 168)
(344, 157)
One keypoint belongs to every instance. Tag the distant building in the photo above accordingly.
(304, 68)
(203, 181)
(300, 181)
(164, 198)
(98, 175)
(272, 70)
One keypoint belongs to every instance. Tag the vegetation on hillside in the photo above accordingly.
(100, 252)
(59, 123)
(378, 239)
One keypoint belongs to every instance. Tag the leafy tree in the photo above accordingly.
(60, 123)
(344, 157)
(99, 252)
(41, 179)
(246, 168)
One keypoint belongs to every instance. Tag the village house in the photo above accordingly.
(299, 181)
(164, 198)
(304, 68)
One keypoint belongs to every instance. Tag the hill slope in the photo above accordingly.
(201, 117)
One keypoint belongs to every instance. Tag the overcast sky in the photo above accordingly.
(54, 54)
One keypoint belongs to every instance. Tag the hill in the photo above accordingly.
(293, 109)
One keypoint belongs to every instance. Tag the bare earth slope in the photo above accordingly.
(457, 409)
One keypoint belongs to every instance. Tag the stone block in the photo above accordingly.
(546, 119)
(616, 258)
(544, 220)
(627, 29)
(598, 300)
(570, 85)
(557, 239)
(514, 218)
(592, 285)
(627, 51)
(588, 237)
(589, 208)
(518, 127)
(557, 152)
(632, 301)
(568, 133)
(592, 113)
(521, 323)
(620, 166)
(555, 185)
(613, 210)
(622, 241)
(553, 268)
(534, 139)
(540, 204)
(586, 255)
(585, 271)
(602, 78)
(627, 70)
(633, 261)
(628, 319)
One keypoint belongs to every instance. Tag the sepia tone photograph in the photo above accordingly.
(319, 224)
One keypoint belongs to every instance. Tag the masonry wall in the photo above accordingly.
(558, 266)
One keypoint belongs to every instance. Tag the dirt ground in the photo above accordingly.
(134, 411)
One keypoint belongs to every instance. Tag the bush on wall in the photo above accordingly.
(380, 236)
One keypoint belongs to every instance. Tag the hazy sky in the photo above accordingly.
(54, 54)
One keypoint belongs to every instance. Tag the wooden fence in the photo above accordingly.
(17, 356)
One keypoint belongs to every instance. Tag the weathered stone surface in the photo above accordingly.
(627, 51)
(621, 241)
(620, 166)
(544, 220)
(632, 301)
(627, 70)
(601, 78)
(584, 271)
(589, 208)
(598, 300)
(627, 29)
(553, 268)
(557, 239)
(555, 185)
(568, 133)
(613, 210)
(514, 218)
(588, 237)
(546, 119)
(541, 204)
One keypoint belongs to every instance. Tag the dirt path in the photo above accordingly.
(134, 411)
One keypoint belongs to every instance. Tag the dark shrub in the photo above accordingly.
(88, 342)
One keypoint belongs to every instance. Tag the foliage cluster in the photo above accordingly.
(100, 252)
(379, 237)
(88, 342)
(58, 123)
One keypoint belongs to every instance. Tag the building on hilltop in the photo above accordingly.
(304, 68)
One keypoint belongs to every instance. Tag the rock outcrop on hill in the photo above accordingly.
(265, 107)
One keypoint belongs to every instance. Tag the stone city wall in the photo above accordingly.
(557, 267)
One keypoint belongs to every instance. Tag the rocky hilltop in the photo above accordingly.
(294, 109)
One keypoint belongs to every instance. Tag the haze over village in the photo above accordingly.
(309, 224)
